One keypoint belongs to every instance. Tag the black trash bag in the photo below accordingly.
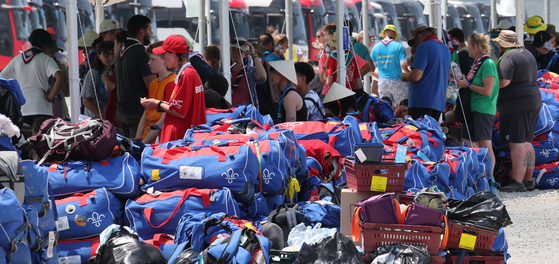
(336, 249)
(125, 248)
(401, 254)
(483, 209)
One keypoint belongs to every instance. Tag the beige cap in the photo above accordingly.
(87, 39)
(337, 92)
(285, 68)
(108, 25)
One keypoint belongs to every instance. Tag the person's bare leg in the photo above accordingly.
(484, 143)
(521, 160)
(530, 160)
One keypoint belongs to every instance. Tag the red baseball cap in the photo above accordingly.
(174, 43)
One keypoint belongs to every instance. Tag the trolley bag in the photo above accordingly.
(208, 167)
(86, 215)
(39, 194)
(10, 174)
(163, 242)
(14, 224)
(59, 140)
(546, 176)
(152, 214)
(119, 175)
(545, 148)
(77, 250)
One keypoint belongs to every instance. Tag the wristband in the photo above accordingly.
(159, 107)
(254, 55)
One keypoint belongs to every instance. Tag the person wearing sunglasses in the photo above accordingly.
(244, 77)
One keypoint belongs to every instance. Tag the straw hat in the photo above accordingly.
(508, 39)
(390, 27)
(419, 28)
(337, 92)
(108, 25)
(285, 68)
(88, 38)
(534, 24)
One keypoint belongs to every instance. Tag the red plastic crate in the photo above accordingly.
(436, 259)
(483, 238)
(376, 235)
(479, 259)
(389, 177)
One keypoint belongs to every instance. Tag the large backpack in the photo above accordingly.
(10, 174)
(14, 224)
(242, 247)
(287, 217)
(372, 108)
(59, 140)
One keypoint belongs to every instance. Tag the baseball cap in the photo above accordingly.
(540, 38)
(108, 25)
(173, 43)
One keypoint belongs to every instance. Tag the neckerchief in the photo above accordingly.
(348, 58)
(29, 54)
(386, 40)
(288, 87)
(179, 74)
(123, 50)
(432, 37)
(475, 67)
(499, 61)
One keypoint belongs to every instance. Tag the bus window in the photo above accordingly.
(6, 43)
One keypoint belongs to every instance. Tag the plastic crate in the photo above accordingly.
(436, 259)
(380, 177)
(376, 235)
(483, 238)
(282, 257)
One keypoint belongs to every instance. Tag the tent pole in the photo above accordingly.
(520, 20)
(289, 28)
(74, 76)
(99, 14)
(546, 11)
(366, 26)
(201, 25)
(340, 40)
(494, 19)
(225, 44)
(209, 21)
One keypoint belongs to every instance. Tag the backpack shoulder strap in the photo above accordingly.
(315, 103)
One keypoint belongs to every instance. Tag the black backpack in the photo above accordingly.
(287, 217)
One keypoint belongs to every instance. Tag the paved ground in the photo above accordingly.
(534, 234)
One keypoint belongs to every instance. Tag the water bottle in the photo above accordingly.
(456, 71)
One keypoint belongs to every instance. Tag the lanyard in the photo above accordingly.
(499, 61)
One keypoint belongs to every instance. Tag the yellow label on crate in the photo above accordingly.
(467, 241)
(378, 184)
(155, 175)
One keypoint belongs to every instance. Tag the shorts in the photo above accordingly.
(480, 128)
(394, 89)
(518, 127)
(417, 112)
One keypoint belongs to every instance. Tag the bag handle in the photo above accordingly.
(397, 210)
(446, 233)
(355, 232)
(170, 153)
(205, 194)
(157, 240)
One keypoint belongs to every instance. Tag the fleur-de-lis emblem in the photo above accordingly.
(552, 181)
(230, 175)
(267, 176)
(96, 219)
(545, 152)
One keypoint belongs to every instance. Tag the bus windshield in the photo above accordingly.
(21, 21)
(86, 16)
(391, 15)
(6, 42)
(317, 18)
(299, 32)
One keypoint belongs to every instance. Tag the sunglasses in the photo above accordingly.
(235, 42)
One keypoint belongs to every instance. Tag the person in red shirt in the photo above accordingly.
(186, 107)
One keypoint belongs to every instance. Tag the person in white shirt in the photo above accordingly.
(32, 70)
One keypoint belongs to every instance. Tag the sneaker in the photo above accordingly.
(514, 186)
(529, 185)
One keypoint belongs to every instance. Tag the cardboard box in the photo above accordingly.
(349, 199)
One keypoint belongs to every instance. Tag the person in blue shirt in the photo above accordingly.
(272, 49)
(390, 56)
(428, 79)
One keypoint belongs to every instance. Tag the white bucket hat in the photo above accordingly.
(337, 92)
(285, 68)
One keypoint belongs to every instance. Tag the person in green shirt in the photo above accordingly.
(460, 56)
(483, 82)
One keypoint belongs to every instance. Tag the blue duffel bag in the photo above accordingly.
(152, 214)
(77, 250)
(14, 224)
(205, 167)
(86, 215)
(120, 175)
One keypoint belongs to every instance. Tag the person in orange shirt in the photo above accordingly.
(159, 89)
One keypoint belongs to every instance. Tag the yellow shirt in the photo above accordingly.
(160, 90)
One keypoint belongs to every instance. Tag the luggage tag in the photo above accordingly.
(401, 154)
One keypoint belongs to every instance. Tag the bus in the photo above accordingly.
(14, 30)
(391, 16)
(409, 15)
(272, 13)
(123, 11)
(313, 12)
(470, 18)
(55, 15)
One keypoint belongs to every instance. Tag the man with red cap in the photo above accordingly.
(186, 105)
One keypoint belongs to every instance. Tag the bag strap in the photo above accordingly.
(157, 240)
(315, 105)
(446, 233)
(205, 194)
(366, 110)
(231, 248)
(355, 232)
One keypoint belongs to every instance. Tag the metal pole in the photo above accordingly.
(99, 14)
(340, 40)
(209, 20)
(136, 7)
(520, 20)
(546, 11)
(367, 77)
(444, 12)
(432, 22)
(437, 7)
(74, 74)
(494, 20)
(289, 28)
(225, 44)
(201, 25)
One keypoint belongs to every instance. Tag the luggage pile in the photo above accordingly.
(240, 189)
